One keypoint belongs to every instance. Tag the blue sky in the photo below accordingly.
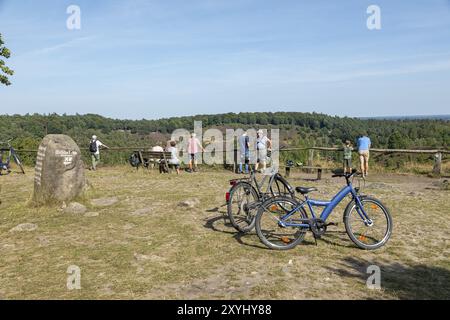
(152, 59)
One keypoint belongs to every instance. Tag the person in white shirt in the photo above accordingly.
(156, 148)
(94, 149)
(262, 145)
(174, 156)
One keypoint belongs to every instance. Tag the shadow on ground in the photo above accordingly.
(403, 281)
(337, 238)
(221, 223)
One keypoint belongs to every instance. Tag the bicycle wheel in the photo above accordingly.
(366, 236)
(242, 206)
(18, 162)
(269, 228)
(280, 187)
(4, 172)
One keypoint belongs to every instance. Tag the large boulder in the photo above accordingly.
(59, 172)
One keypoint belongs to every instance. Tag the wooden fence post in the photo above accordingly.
(288, 171)
(437, 164)
(310, 159)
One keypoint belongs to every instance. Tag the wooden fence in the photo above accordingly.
(437, 167)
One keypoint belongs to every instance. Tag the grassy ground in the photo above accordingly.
(146, 246)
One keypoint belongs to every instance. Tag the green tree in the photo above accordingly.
(4, 52)
(397, 141)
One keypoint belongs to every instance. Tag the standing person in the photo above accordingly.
(174, 156)
(94, 149)
(244, 152)
(364, 144)
(193, 147)
(262, 145)
(348, 148)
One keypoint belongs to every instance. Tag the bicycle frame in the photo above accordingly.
(8, 158)
(329, 206)
(259, 185)
(252, 180)
(11, 154)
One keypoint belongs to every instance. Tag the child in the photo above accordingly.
(174, 156)
(348, 156)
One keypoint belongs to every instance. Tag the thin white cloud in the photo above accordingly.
(312, 75)
(60, 46)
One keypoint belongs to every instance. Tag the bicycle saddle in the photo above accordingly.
(303, 190)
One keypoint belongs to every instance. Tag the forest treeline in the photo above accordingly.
(297, 129)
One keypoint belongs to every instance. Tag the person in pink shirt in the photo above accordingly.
(194, 146)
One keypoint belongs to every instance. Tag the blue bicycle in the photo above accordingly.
(282, 222)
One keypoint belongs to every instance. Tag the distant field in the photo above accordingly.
(145, 246)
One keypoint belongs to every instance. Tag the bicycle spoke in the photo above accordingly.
(271, 226)
(369, 234)
(242, 198)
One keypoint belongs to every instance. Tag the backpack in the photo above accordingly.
(93, 146)
(134, 160)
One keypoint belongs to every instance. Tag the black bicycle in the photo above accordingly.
(247, 194)
(6, 153)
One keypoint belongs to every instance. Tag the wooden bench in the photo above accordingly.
(319, 170)
(145, 157)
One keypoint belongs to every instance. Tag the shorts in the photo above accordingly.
(348, 163)
(193, 156)
(262, 155)
(174, 163)
(95, 156)
(364, 155)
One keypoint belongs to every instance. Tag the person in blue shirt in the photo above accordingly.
(244, 152)
(364, 144)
